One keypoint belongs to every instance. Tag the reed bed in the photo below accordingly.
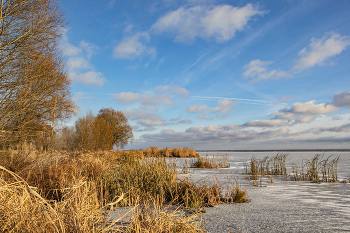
(62, 191)
(23, 209)
(167, 152)
(266, 166)
(218, 161)
(316, 169)
(149, 217)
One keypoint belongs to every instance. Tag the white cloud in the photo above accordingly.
(80, 69)
(274, 74)
(88, 48)
(222, 106)
(134, 46)
(305, 119)
(78, 96)
(342, 99)
(149, 120)
(78, 63)
(204, 135)
(90, 77)
(265, 123)
(320, 50)
(205, 117)
(285, 115)
(145, 118)
(310, 108)
(128, 28)
(337, 118)
(257, 69)
(304, 112)
(146, 101)
(212, 128)
(186, 121)
(198, 108)
(219, 22)
(284, 99)
(111, 4)
(173, 89)
(342, 128)
(127, 97)
(70, 50)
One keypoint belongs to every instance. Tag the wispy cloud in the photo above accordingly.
(320, 50)
(145, 101)
(205, 117)
(257, 70)
(80, 69)
(215, 98)
(218, 22)
(265, 123)
(135, 46)
(173, 89)
(149, 121)
(221, 107)
(150, 101)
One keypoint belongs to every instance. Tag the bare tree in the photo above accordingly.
(34, 87)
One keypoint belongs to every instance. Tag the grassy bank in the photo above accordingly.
(70, 191)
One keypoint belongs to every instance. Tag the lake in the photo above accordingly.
(283, 206)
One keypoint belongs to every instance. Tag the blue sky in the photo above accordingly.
(215, 74)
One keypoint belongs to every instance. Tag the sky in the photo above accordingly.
(212, 74)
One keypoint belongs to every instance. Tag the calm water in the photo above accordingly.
(284, 206)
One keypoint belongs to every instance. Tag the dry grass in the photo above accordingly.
(218, 161)
(70, 191)
(149, 217)
(266, 166)
(166, 152)
(310, 169)
(315, 169)
(23, 209)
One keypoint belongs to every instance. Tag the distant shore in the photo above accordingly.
(294, 150)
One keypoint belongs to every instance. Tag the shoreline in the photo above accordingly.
(293, 150)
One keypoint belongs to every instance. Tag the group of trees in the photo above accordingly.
(102, 132)
(34, 85)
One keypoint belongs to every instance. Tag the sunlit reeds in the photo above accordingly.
(316, 169)
(167, 152)
(266, 166)
(70, 191)
(218, 161)
(23, 209)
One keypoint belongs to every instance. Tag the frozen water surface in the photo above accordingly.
(284, 206)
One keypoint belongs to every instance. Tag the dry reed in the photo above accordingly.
(218, 161)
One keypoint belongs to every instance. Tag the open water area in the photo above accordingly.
(283, 206)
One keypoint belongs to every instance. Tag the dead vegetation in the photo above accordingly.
(316, 169)
(218, 161)
(70, 191)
